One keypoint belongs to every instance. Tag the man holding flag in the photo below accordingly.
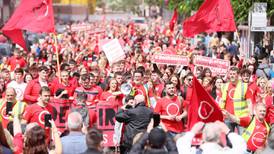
(202, 107)
(211, 133)
(207, 120)
(257, 129)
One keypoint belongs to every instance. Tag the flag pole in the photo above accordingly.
(57, 57)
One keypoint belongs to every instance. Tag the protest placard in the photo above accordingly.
(60, 111)
(170, 59)
(80, 27)
(113, 51)
(217, 66)
(106, 121)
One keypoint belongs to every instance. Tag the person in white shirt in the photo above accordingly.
(18, 84)
(211, 133)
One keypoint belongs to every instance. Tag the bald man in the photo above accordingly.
(17, 108)
(75, 142)
(136, 119)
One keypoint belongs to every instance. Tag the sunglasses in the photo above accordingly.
(190, 79)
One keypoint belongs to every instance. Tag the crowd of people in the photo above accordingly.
(75, 73)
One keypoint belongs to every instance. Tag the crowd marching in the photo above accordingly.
(53, 96)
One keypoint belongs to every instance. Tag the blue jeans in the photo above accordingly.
(172, 134)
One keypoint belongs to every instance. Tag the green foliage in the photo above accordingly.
(124, 5)
(153, 2)
(240, 7)
(100, 3)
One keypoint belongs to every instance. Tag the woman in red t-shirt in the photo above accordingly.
(112, 94)
(216, 91)
(206, 82)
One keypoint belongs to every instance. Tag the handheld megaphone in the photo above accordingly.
(126, 88)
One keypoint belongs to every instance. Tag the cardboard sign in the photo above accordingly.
(170, 59)
(106, 121)
(102, 42)
(113, 51)
(217, 66)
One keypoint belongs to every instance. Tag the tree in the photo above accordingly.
(125, 5)
(240, 7)
(153, 2)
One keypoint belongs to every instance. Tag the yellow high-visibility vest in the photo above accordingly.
(249, 130)
(239, 101)
(17, 109)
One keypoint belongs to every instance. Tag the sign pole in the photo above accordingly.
(57, 57)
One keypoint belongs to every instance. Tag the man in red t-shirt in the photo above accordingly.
(64, 84)
(252, 86)
(236, 99)
(88, 86)
(36, 112)
(257, 129)
(171, 110)
(187, 89)
(16, 61)
(158, 85)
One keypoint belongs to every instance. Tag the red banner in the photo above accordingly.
(106, 121)
(170, 59)
(60, 109)
(217, 66)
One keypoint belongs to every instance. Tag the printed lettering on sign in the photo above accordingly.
(217, 66)
(170, 59)
(59, 112)
(108, 138)
(106, 121)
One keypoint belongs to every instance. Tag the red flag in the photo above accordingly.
(173, 20)
(31, 15)
(212, 16)
(203, 107)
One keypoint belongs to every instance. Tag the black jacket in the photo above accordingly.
(136, 120)
(138, 148)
